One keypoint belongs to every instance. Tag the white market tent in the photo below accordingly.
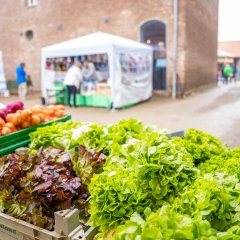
(115, 47)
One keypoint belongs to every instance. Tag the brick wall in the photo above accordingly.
(201, 43)
(54, 21)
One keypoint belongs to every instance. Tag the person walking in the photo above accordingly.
(72, 81)
(227, 71)
(21, 81)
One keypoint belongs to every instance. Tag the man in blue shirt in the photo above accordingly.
(21, 81)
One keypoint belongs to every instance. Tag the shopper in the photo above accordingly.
(103, 70)
(21, 81)
(227, 71)
(72, 81)
(29, 83)
(89, 78)
(89, 71)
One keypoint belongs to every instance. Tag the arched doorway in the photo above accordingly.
(153, 32)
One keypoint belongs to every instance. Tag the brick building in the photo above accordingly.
(28, 25)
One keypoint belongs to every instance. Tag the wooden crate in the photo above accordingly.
(67, 227)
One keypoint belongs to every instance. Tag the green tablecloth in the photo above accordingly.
(96, 100)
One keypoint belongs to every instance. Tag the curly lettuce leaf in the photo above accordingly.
(137, 176)
(202, 146)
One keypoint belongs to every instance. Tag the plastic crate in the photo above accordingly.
(11, 148)
(9, 143)
(176, 134)
(67, 223)
(67, 227)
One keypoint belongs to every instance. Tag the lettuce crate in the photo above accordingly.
(67, 227)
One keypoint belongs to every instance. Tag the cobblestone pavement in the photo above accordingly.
(216, 110)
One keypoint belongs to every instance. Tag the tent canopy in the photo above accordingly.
(222, 54)
(127, 85)
(93, 43)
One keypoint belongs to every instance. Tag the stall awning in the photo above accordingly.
(224, 54)
(92, 43)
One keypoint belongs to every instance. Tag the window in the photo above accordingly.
(31, 3)
(29, 34)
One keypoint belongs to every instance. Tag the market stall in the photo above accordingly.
(124, 78)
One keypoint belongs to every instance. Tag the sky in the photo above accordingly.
(229, 20)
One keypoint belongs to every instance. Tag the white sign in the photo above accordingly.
(134, 78)
(2, 76)
(3, 84)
